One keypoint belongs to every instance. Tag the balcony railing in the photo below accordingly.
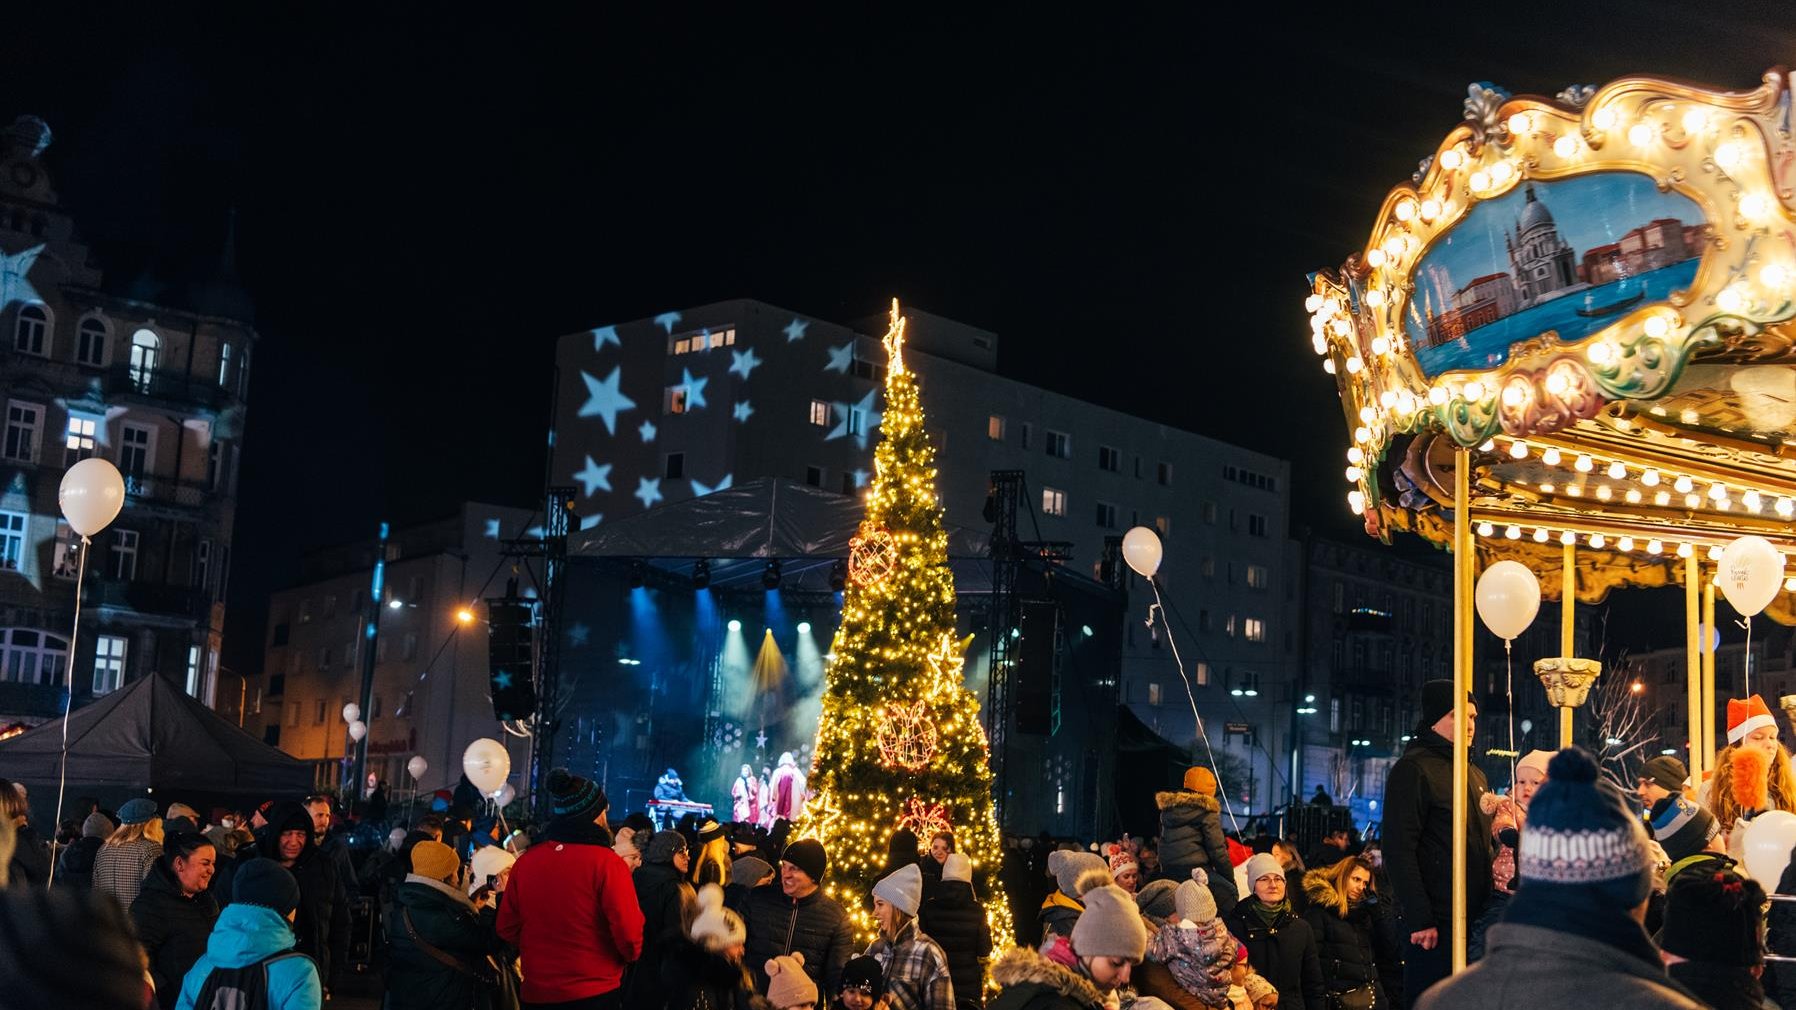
(145, 597)
(165, 384)
(168, 490)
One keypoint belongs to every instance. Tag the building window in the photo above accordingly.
(23, 423)
(90, 342)
(68, 547)
(1109, 459)
(30, 329)
(134, 455)
(193, 670)
(1163, 526)
(330, 606)
(324, 658)
(1258, 577)
(1209, 513)
(675, 466)
(215, 464)
(1203, 620)
(704, 340)
(820, 413)
(305, 611)
(1027, 429)
(12, 540)
(318, 712)
(1253, 629)
(411, 645)
(124, 555)
(1253, 479)
(1209, 567)
(414, 586)
(109, 663)
(33, 657)
(380, 650)
(1153, 692)
(1164, 473)
(1106, 515)
(349, 655)
(224, 363)
(857, 421)
(674, 400)
(813, 475)
(994, 428)
(146, 353)
(848, 483)
(1256, 525)
(1053, 501)
(1202, 671)
(80, 444)
(1059, 444)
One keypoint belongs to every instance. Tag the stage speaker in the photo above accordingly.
(510, 674)
(1032, 668)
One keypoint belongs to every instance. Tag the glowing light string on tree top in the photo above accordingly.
(899, 739)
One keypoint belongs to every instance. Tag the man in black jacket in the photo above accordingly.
(793, 915)
(321, 924)
(1418, 839)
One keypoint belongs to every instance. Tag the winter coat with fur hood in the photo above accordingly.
(1029, 981)
(1348, 945)
(1190, 837)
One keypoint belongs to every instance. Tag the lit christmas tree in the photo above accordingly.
(899, 742)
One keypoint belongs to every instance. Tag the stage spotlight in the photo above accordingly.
(701, 574)
(804, 627)
(770, 576)
(838, 576)
(638, 574)
(735, 625)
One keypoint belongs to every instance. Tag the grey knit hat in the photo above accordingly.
(664, 846)
(1068, 866)
(1194, 899)
(1110, 926)
(1155, 899)
(749, 870)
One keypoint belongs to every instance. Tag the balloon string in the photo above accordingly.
(1509, 688)
(1221, 787)
(1748, 664)
(68, 701)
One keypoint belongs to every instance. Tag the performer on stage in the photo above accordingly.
(787, 788)
(764, 810)
(745, 797)
(669, 787)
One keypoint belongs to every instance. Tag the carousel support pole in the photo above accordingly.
(1707, 643)
(1568, 626)
(1462, 680)
(1693, 660)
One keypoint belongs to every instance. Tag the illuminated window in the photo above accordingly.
(1253, 629)
(1203, 674)
(193, 670)
(33, 657)
(1258, 577)
(1053, 501)
(68, 547)
(80, 442)
(30, 329)
(23, 423)
(134, 455)
(820, 413)
(146, 354)
(12, 540)
(224, 363)
(109, 663)
(674, 401)
(1153, 692)
(994, 428)
(1163, 526)
(124, 555)
(90, 342)
(305, 611)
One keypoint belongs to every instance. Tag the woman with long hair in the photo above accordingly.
(1343, 914)
(1752, 774)
(30, 864)
(712, 866)
(123, 861)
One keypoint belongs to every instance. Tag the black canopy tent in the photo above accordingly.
(151, 736)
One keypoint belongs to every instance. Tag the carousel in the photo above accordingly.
(1567, 355)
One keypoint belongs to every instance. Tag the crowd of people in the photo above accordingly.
(1577, 891)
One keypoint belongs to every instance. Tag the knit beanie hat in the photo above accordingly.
(1110, 926)
(1582, 835)
(1199, 779)
(1666, 772)
(1682, 828)
(957, 867)
(787, 983)
(1535, 759)
(708, 831)
(1156, 899)
(1715, 917)
(749, 870)
(137, 811)
(1264, 863)
(902, 889)
(1437, 700)
(435, 860)
(807, 854)
(1194, 901)
(1068, 866)
(664, 846)
(575, 798)
(864, 975)
(66, 949)
(716, 928)
(1745, 716)
(488, 861)
(266, 883)
(97, 825)
(1122, 861)
(1258, 988)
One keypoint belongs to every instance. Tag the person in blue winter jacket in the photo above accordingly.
(254, 930)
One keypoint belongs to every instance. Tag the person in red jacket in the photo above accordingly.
(570, 907)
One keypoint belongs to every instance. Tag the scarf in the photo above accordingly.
(1578, 910)
(1270, 914)
(578, 832)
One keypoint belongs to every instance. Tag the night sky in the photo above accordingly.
(425, 202)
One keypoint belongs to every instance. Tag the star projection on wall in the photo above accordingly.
(577, 634)
(860, 477)
(744, 410)
(501, 680)
(593, 477)
(15, 285)
(647, 431)
(695, 389)
(744, 362)
(700, 490)
(604, 400)
(591, 521)
(649, 490)
(667, 321)
(492, 529)
(605, 335)
(839, 358)
(849, 412)
(795, 329)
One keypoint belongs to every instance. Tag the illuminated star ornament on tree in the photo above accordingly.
(899, 742)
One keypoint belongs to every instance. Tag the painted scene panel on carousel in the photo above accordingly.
(1569, 256)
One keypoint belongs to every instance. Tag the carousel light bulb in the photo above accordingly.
(1487, 445)
(1452, 158)
(1602, 353)
(1656, 326)
(1730, 155)
(1717, 491)
(1354, 364)
(1340, 327)
(1650, 478)
(1714, 553)
(1480, 181)
(1366, 414)
(1695, 121)
(1540, 535)
(1519, 123)
(1380, 345)
(1513, 532)
(1437, 395)
(1354, 473)
(1474, 391)
(1775, 275)
(1662, 499)
(1501, 172)
(1785, 506)
(1374, 299)
(1692, 500)
(1431, 209)
(1362, 434)
(1732, 299)
(1550, 457)
(1513, 395)
(1565, 146)
(1486, 529)
(1597, 540)
(1575, 490)
(1755, 207)
(1654, 547)
(1557, 383)
(1546, 489)
(1684, 550)
(1388, 399)
(1684, 485)
(1752, 501)
(1584, 464)
(1356, 455)
(1320, 343)
(1633, 496)
(1617, 471)
(1518, 449)
(1790, 585)
(1357, 502)
(1394, 247)
(1328, 366)
(1568, 537)
(1603, 493)
(1642, 134)
(1605, 118)
(1375, 258)
(1625, 544)
(1405, 209)
(1312, 303)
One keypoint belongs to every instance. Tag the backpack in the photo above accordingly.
(244, 988)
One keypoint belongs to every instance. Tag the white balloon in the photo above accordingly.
(91, 494)
(1507, 597)
(1769, 838)
(357, 730)
(352, 712)
(417, 766)
(506, 795)
(486, 764)
(1750, 574)
(1142, 550)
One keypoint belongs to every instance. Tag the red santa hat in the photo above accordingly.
(1745, 716)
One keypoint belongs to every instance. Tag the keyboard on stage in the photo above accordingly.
(665, 813)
